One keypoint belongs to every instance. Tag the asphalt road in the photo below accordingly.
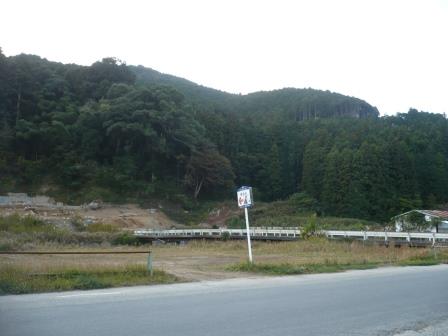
(390, 301)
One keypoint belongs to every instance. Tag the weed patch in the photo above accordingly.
(16, 224)
(101, 227)
(290, 269)
(359, 259)
(16, 280)
(428, 259)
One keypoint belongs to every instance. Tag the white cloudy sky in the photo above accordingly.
(391, 53)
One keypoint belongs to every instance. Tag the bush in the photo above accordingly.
(310, 229)
(225, 236)
(126, 239)
(415, 221)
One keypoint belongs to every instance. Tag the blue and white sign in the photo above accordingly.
(244, 196)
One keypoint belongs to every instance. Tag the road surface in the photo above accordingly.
(404, 301)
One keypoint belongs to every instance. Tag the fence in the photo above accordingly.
(410, 238)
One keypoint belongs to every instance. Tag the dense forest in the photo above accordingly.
(113, 131)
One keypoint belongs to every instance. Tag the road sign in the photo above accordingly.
(245, 200)
(244, 196)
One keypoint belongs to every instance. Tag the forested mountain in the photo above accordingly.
(113, 131)
(193, 93)
(287, 104)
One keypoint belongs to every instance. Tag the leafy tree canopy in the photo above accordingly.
(136, 132)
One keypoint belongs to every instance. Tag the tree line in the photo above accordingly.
(107, 131)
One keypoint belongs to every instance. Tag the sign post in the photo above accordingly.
(245, 200)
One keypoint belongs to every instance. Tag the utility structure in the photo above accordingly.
(245, 200)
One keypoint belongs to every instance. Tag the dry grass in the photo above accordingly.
(201, 260)
(302, 252)
(313, 251)
(212, 258)
(321, 250)
(40, 273)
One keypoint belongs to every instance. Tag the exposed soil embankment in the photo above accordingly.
(124, 216)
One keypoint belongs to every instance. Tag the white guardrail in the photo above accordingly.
(278, 233)
(254, 232)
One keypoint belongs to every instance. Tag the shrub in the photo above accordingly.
(225, 236)
(125, 239)
(310, 229)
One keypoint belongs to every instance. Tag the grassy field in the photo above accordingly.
(198, 260)
(306, 256)
(323, 256)
(43, 273)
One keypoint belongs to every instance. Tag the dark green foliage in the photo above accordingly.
(125, 239)
(92, 128)
(415, 221)
(116, 132)
(302, 202)
(285, 104)
(207, 168)
(225, 236)
(377, 168)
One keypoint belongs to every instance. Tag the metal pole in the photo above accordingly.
(248, 235)
(150, 264)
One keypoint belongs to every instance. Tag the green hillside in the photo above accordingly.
(120, 132)
(288, 103)
(193, 93)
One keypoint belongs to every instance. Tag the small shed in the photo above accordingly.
(435, 221)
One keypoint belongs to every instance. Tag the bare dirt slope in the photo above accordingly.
(124, 216)
(129, 216)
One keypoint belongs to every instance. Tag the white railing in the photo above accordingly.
(410, 237)
(278, 233)
(254, 232)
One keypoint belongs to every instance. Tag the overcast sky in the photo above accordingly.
(391, 53)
